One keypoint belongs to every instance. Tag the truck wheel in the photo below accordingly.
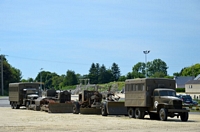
(27, 105)
(184, 116)
(131, 113)
(37, 108)
(12, 105)
(17, 106)
(163, 114)
(104, 111)
(139, 114)
(76, 108)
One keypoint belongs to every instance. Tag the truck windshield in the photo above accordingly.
(167, 93)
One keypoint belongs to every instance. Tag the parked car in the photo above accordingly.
(187, 99)
(195, 103)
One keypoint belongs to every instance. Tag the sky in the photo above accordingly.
(61, 35)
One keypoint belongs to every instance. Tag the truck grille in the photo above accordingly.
(177, 104)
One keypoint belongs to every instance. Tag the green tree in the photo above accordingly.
(28, 80)
(105, 75)
(10, 75)
(71, 78)
(94, 73)
(129, 76)
(156, 67)
(115, 72)
(122, 78)
(138, 70)
(47, 78)
(193, 70)
(102, 75)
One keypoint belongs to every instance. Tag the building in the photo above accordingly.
(181, 81)
(193, 88)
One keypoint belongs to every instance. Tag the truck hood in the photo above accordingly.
(170, 98)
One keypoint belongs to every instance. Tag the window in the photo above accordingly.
(134, 87)
(140, 88)
(129, 87)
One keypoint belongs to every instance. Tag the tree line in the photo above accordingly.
(98, 74)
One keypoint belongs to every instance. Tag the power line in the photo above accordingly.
(46, 60)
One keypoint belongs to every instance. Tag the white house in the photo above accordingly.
(193, 88)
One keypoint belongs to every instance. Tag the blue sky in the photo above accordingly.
(61, 35)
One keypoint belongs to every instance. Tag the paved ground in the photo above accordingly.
(23, 120)
(4, 102)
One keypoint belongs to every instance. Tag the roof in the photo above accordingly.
(183, 79)
(193, 82)
(198, 77)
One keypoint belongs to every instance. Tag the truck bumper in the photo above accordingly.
(178, 110)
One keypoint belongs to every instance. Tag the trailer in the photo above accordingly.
(89, 102)
(155, 97)
(111, 105)
(56, 101)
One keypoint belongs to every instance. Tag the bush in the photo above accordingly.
(180, 90)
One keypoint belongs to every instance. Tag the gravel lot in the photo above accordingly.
(27, 121)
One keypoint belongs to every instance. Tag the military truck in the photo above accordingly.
(155, 97)
(89, 102)
(23, 94)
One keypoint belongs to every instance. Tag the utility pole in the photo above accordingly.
(2, 90)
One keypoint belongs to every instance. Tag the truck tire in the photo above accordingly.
(27, 105)
(131, 113)
(37, 108)
(12, 105)
(17, 106)
(76, 108)
(184, 116)
(163, 114)
(139, 113)
(103, 110)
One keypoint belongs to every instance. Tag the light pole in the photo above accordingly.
(41, 78)
(146, 52)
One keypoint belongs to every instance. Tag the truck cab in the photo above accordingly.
(167, 98)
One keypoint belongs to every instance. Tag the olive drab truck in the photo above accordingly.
(155, 97)
(23, 94)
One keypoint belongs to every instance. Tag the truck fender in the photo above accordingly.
(159, 106)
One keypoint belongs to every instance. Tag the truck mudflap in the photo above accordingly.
(178, 110)
(90, 111)
(116, 108)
